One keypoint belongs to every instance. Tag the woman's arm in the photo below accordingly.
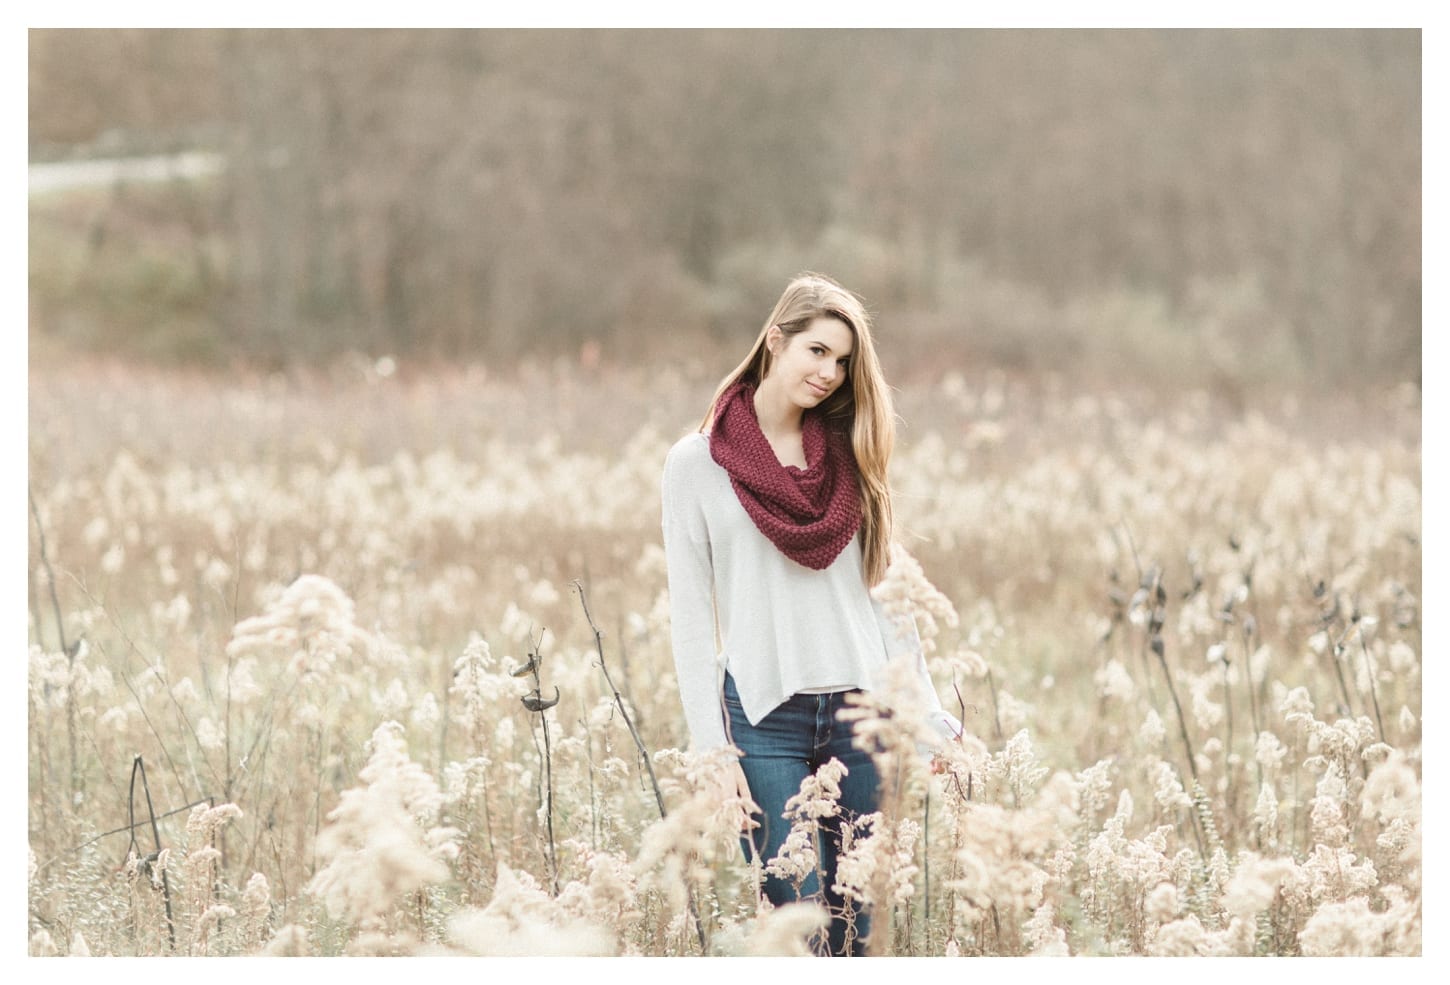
(901, 637)
(692, 610)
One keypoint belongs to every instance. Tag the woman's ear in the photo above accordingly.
(773, 337)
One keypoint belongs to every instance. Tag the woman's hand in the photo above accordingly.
(733, 794)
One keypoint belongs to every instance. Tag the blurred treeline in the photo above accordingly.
(1232, 206)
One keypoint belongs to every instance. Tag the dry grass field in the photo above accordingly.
(277, 629)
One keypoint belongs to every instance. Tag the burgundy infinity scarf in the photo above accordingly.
(810, 514)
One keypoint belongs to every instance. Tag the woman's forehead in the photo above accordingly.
(831, 331)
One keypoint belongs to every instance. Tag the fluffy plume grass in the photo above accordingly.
(1184, 641)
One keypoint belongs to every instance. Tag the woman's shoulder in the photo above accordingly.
(689, 464)
(690, 451)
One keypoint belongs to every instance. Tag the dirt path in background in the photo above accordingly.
(64, 175)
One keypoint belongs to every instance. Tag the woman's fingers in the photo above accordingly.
(739, 789)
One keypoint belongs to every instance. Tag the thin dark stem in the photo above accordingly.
(116, 831)
(1228, 712)
(1328, 616)
(138, 767)
(1373, 692)
(49, 573)
(1253, 697)
(996, 716)
(141, 705)
(126, 679)
(1158, 598)
(1334, 649)
(33, 597)
(549, 803)
(1178, 707)
(1142, 582)
(539, 705)
(1231, 775)
(619, 702)
(593, 796)
(639, 744)
(926, 867)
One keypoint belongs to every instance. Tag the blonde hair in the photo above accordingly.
(861, 407)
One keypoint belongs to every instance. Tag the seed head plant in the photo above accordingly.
(1183, 638)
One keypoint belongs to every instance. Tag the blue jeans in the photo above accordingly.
(788, 745)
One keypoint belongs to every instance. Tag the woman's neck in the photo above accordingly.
(777, 415)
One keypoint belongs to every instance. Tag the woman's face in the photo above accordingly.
(812, 364)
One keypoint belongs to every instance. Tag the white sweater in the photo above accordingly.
(782, 628)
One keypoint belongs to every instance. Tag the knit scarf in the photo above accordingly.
(809, 514)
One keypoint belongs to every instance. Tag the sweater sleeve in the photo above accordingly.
(902, 638)
(692, 612)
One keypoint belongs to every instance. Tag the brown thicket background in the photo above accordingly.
(1225, 207)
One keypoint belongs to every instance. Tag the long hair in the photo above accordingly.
(860, 407)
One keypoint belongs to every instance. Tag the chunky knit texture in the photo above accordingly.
(810, 514)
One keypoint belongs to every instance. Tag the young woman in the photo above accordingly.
(777, 522)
